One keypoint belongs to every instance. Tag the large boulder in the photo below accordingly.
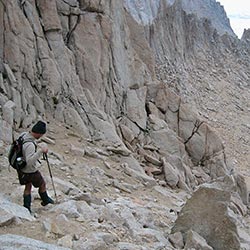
(12, 209)
(11, 241)
(209, 212)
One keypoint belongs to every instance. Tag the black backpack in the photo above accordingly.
(15, 155)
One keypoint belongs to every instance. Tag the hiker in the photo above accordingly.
(30, 175)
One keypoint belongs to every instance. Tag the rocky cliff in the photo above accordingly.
(146, 11)
(127, 82)
(200, 58)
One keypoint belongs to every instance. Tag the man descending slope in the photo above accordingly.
(30, 175)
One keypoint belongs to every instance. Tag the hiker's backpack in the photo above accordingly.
(15, 155)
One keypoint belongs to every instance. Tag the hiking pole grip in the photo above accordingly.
(45, 156)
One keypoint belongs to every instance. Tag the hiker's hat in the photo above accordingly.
(39, 128)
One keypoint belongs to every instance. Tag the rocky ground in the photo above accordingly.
(100, 204)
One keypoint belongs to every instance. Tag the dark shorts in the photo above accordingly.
(35, 179)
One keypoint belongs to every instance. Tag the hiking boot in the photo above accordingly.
(45, 199)
(27, 201)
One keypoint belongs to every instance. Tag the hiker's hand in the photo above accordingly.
(44, 148)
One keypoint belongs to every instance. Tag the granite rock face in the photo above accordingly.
(87, 67)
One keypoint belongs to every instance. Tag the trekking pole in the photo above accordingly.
(46, 158)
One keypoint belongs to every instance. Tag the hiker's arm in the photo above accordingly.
(30, 153)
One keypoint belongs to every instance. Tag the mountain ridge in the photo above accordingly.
(145, 12)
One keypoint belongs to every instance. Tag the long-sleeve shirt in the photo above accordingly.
(30, 154)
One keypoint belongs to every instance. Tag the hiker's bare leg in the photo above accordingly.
(42, 188)
(27, 196)
(27, 189)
